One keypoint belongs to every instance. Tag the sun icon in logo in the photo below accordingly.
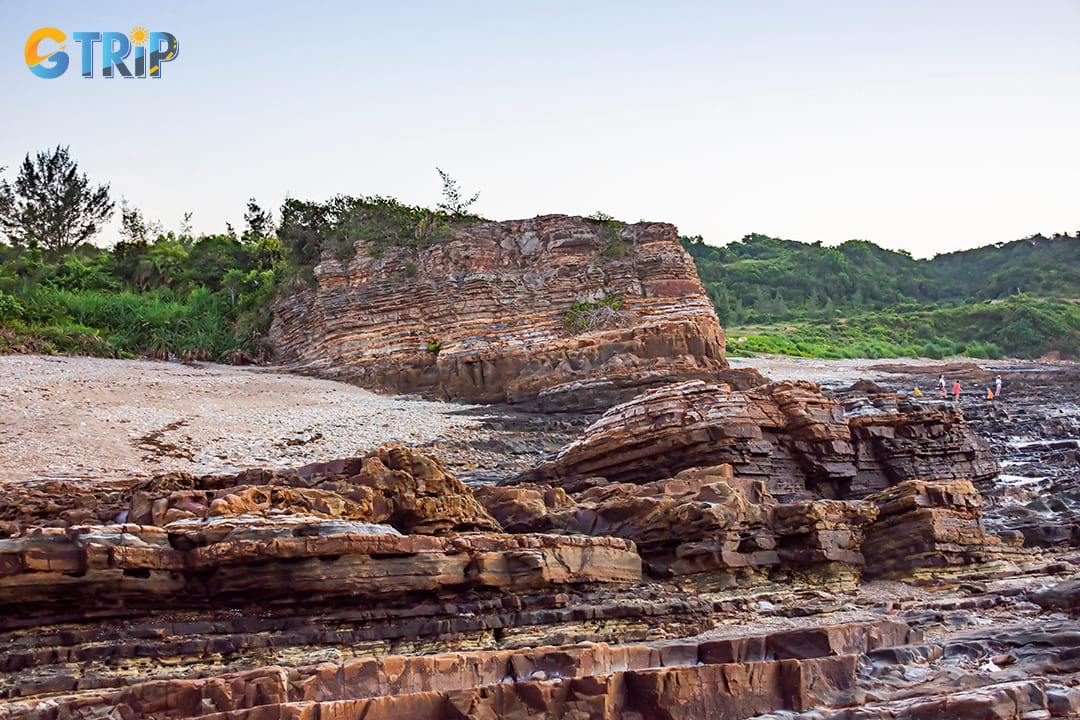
(139, 36)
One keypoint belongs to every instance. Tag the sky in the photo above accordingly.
(921, 126)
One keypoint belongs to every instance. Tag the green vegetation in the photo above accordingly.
(860, 300)
(454, 203)
(616, 247)
(591, 314)
(209, 298)
(377, 223)
(51, 205)
(203, 299)
(173, 295)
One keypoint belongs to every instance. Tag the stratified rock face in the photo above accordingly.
(927, 527)
(789, 436)
(702, 528)
(483, 315)
(127, 569)
(393, 485)
(683, 679)
(899, 439)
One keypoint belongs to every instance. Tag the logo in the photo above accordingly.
(46, 56)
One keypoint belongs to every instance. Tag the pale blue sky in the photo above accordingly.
(928, 126)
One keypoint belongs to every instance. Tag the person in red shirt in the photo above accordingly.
(956, 391)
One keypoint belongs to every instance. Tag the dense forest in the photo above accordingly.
(178, 296)
(857, 299)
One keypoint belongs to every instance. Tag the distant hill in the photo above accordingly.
(954, 296)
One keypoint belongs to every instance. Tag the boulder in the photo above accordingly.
(698, 527)
(925, 527)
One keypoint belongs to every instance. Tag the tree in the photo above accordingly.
(259, 222)
(185, 226)
(6, 197)
(52, 205)
(453, 203)
(134, 228)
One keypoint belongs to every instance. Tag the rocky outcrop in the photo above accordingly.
(897, 439)
(486, 315)
(256, 560)
(925, 528)
(734, 677)
(394, 485)
(789, 436)
(381, 587)
(703, 528)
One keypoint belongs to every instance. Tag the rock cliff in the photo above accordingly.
(494, 313)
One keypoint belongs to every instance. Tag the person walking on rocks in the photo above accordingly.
(941, 386)
(989, 397)
(956, 391)
(997, 385)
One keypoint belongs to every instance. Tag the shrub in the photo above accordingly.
(592, 314)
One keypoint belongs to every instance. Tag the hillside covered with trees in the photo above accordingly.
(857, 299)
(172, 294)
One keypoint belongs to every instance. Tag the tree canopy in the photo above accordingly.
(51, 204)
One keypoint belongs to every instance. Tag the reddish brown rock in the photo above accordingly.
(393, 485)
(482, 315)
(206, 562)
(698, 524)
(787, 435)
(927, 527)
(677, 679)
(898, 439)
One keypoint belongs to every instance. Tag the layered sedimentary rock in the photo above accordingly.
(927, 527)
(693, 678)
(483, 316)
(789, 436)
(702, 528)
(381, 587)
(898, 439)
(394, 485)
(121, 569)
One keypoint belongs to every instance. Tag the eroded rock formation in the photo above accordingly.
(381, 587)
(703, 528)
(483, 316)
(927, 528)
(393, 485)
(789, 436)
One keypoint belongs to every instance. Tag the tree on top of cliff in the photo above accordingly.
(453, 202)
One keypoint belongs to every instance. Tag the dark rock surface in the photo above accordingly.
(1033, 430)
